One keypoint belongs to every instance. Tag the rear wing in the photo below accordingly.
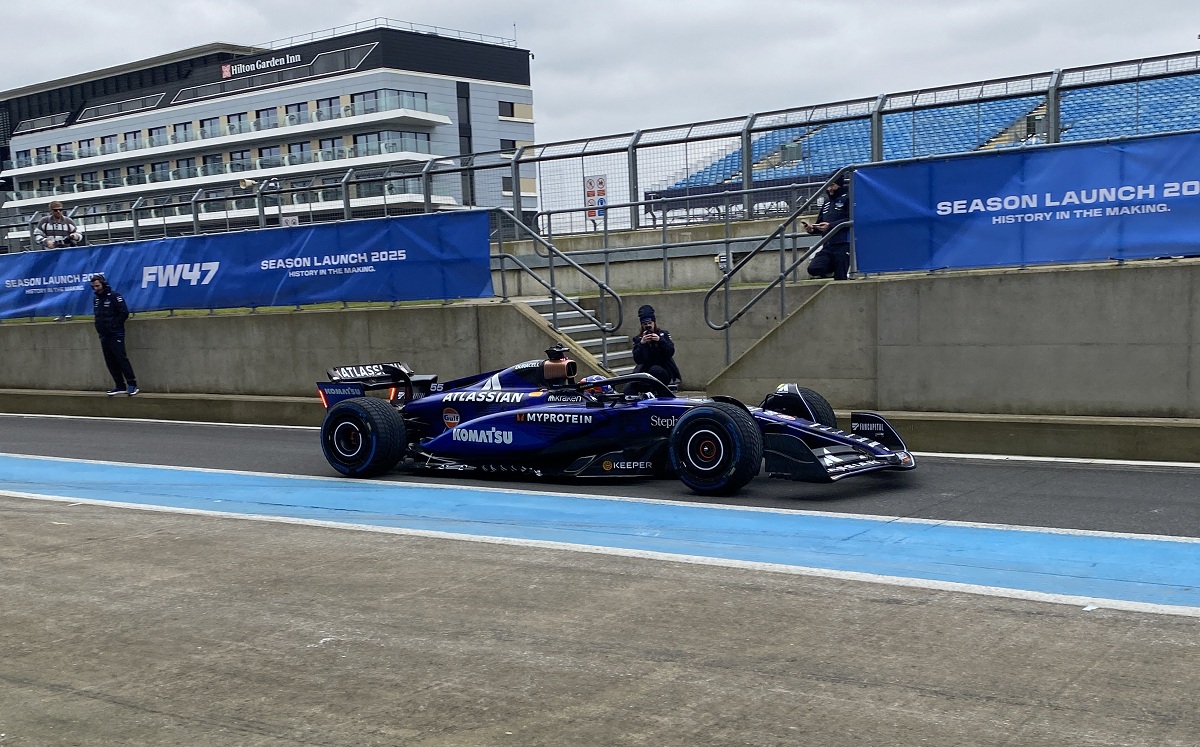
(346, 382)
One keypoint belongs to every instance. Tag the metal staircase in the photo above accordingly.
(613, 352)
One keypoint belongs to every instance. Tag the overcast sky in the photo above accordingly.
(609, 67)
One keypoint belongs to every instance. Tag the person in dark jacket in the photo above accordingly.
(834, 257)
(111, 312)
(653, 349)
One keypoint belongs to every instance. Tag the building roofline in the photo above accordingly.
(131, 67)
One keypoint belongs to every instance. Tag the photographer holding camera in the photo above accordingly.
(57, 231)
(653, 349)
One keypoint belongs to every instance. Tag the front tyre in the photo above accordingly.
(363, 437)
(716, 448)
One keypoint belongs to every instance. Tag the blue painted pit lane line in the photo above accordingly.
(1159, 574)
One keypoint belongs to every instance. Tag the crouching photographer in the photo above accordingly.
(653, 349)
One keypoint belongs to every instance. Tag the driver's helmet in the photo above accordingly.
(603, 389)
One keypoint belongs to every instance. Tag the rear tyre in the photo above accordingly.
(363, 437)
(716, 448)
(788, 401)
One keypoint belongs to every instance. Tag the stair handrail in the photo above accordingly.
(727, 277)
(605, 327)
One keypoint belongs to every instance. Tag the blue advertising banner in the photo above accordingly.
(1136, 199)
(386, 259)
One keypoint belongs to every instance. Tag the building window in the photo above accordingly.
(326, 142)
(507, 109)
(268, 151)
(506, 184)
(64, 151)
(266, 118)
(46, 185)
(112, 178)
(508, 146)
(132, 138)
(238, 123)
(328, 108)
(239, 160)
(42, 155)
(185, 168)
(210, 127)
(108, 144)
(24, 158)
(87, 147)
(67, 181)
(366, 144)
(296, 113)
(181, 132)
(88, 179)
(212, 165)
(366, 102)
(158, 136)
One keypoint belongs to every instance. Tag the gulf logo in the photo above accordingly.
(450, 417)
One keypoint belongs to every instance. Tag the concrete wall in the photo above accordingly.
(1105, 341)
(275, 354)
(700, 350)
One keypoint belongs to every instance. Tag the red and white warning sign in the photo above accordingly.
(595, 195)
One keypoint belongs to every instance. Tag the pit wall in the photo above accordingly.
(276, 354)
(1112, 340)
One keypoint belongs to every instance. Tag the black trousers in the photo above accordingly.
(831, 260)
(113, 345)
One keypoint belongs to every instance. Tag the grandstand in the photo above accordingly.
(1151, 96)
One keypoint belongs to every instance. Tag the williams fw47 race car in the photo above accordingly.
(534, 418)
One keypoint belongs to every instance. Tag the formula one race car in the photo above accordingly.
(534, 418)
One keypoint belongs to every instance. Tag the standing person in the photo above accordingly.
(57, 231)
(111, 312)
(653, 349)
(834, 257)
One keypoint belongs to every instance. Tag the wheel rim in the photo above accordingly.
(705, 450)
(347, 440)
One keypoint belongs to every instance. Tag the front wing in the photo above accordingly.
(811, 452)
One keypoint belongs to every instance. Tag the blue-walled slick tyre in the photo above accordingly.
(716, 448)
(788, 401)
(363, 437)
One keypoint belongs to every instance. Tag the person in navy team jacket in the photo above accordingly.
(110, 313)
(834, 257)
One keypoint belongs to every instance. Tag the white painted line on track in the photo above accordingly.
(632, 499)
(990, 591)
(158, 421)
(1057, 460)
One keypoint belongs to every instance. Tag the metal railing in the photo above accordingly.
(785, 270)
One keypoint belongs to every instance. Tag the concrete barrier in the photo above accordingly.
(1106, 341)
(279, 354)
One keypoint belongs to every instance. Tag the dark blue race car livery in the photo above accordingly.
(534, 418)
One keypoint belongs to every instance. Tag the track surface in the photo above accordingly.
(1113, 498)
(128, 627)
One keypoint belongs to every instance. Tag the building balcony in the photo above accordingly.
(392, 110)
(283, 166)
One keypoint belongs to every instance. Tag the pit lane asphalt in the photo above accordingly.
(146, 628)
(1062, 495)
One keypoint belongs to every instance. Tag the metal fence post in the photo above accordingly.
(347, 213)
(634, 218)
(1053, 112)
(877, 128)
(427, 186)
(747, 169)
(133, 211)
(518, 204)
(196, 213)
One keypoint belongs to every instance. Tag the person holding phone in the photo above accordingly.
(833, 260)
(653, 349)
